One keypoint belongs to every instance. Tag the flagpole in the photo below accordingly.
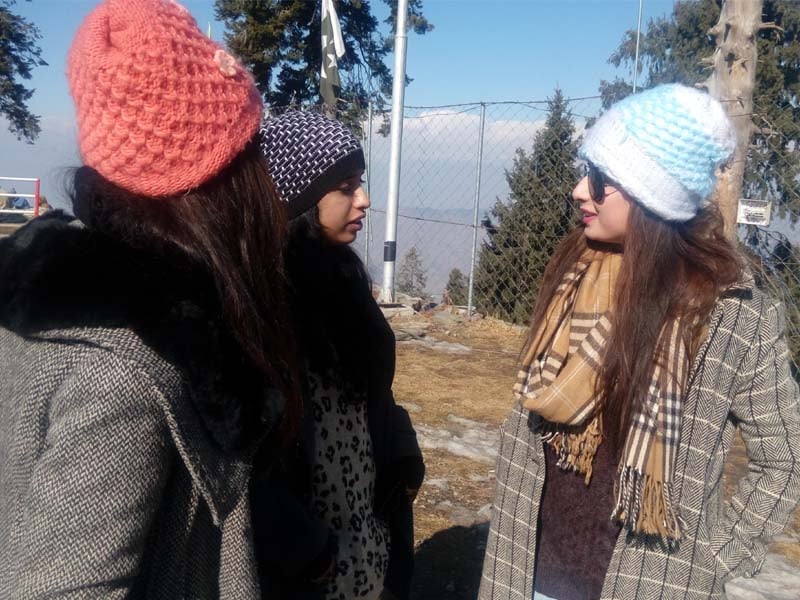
(636, 60)
(398, 95)
(368, 228)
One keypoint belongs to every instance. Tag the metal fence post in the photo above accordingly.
(478, 169)
(368, 224)
(398, 95)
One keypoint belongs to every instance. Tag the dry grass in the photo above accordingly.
(469, 484)
(477, 386)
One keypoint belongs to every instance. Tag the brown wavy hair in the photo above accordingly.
(669, 271)
(234, 228)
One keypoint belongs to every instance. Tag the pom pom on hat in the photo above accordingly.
(663, 146)
(161, 108)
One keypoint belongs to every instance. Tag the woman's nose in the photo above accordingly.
(362, 198)
(581, 191)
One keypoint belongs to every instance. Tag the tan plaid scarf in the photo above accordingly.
(557, 381)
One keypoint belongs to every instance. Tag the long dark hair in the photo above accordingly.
(330, 291)
(231, 228)
(669, 271)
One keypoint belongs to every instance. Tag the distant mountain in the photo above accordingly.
(443, 238)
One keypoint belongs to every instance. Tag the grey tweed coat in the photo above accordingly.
(124, 466)
(740, 378)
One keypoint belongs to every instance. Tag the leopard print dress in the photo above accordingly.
(343, 491)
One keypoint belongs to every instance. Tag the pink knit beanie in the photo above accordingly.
(161, 108)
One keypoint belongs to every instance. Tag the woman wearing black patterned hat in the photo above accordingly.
(334, 519)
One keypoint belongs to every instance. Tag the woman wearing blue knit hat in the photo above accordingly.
(649, 346)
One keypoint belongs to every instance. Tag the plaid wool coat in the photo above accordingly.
(740, 378)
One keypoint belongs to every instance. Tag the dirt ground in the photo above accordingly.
(451, 509)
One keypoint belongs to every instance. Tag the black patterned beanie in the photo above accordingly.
(308, 154)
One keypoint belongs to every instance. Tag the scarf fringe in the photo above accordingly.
(644, 505)
(575, 451)
(557, 381)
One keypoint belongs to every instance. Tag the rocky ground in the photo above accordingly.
(454, 379)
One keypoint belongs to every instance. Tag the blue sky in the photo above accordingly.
(479, 50)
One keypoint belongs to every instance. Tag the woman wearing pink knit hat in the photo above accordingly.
(146, 372)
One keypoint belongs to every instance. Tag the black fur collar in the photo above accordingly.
(57, 274)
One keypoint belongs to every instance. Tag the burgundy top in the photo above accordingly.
(576, 536)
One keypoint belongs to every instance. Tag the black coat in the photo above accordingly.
(334, 311)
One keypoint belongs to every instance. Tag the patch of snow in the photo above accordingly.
(405, 332)
(433, 344)
(787, 537)
(463, 516)
(778, 579)
(390, 312)
(441, 484)
(462, 437)
(485, 512)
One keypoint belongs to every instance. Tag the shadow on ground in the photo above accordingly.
(448, 564)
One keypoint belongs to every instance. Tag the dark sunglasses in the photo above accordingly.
(597, 183)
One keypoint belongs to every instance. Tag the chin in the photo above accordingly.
(345, 239)
(599, 237)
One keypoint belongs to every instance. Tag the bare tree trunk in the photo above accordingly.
(328, 110)
(732, 83)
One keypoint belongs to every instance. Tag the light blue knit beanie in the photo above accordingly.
(663, 146)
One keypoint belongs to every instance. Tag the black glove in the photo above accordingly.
(398, 484)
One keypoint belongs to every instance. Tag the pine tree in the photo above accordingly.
(19, 55)
(456, 289)
(412, 276)
(524, 230)
(279, 41)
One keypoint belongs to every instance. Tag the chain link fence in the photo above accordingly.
(485, 196)
(772, 174)
(456, 170)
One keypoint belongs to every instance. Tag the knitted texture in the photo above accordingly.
(161, 108)
(663, 146)
(308, 154)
